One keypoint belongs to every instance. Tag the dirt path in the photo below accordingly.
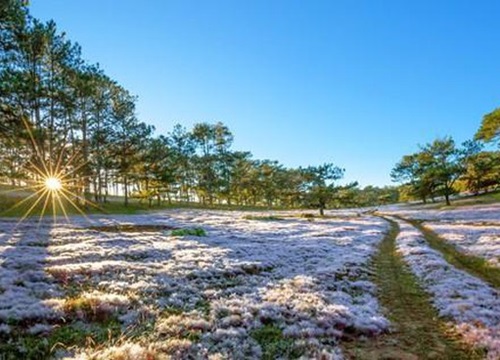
(417, 332)
(474, 265)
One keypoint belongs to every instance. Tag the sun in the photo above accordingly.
(53, 184)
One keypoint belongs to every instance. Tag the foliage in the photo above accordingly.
(319, 184)
(490, 127)
(432, 171)
(482, 171)
(189, 232)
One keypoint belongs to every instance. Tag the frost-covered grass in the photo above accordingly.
(478, 239)
(466, 214)
(471, 305)
(305, 283)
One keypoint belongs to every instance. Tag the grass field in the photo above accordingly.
(126, 283)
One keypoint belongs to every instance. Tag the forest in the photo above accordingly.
(63, 116)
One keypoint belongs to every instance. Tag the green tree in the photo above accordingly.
(319, 184)
(157, 169)
(411, 171)
(129, 137)
(490, 127)
(432, 171)
(213, 142)
(482, 171)
(445, 165)
(182, 148)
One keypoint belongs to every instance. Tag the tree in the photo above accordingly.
(12, 23)
(157, 169)
(129, 136)
(445, 165)
(411, 171)
(213, 143)
(490, 127)
(374, 196)
(182, 151)
(482, 171)
(319, 184)
(433, 170)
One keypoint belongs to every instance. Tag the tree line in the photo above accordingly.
(442, 169)
(61, 115)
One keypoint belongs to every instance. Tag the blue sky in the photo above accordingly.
(356, 83)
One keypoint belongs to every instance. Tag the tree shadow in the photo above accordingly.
(26, 290)
(307, 280)
(289, 277)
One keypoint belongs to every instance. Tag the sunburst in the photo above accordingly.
(53, 183)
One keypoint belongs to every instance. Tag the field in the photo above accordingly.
(225, 284)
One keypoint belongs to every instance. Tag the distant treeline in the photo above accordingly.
(60, 115)
(441, 168)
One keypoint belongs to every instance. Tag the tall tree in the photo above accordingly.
(213, 143)
(182, 148)
(319, 183)
(433, 170)
(445, 165)
(129, 136)
(157, 169)
(411, 171)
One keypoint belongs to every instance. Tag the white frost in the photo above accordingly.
(471, 305)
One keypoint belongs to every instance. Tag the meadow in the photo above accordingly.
(214, 284)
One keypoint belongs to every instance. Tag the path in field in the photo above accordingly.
(417, 332)
(474, 265)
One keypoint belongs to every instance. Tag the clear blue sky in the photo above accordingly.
(356, 83)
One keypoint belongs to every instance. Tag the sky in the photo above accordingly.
(355, 83)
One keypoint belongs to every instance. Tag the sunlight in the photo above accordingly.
(55, 187)
(53, 183)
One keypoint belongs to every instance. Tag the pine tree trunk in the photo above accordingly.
(125, 188)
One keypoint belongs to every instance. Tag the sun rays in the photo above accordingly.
(55, 184)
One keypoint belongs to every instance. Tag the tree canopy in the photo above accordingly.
(490, 127)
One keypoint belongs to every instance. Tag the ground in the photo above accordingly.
(226, 284)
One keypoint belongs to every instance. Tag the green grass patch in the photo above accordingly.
(203, 305)
(274, 345)
(417, 331)
(19, 345)
(474, 265)
(263, 218)
(15, 203)
(189, 232)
